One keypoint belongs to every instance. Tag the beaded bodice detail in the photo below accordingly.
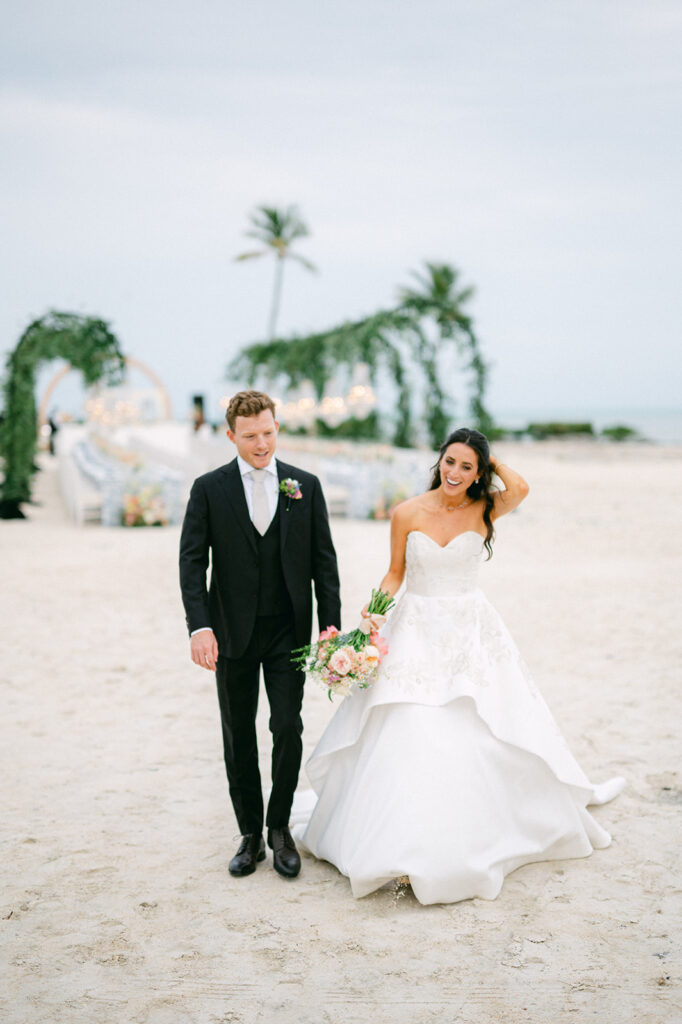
(448, 571)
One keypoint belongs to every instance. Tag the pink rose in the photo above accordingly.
(329, 633)
(322, 653)
(358, 659)
(341, 661)
(380, 644)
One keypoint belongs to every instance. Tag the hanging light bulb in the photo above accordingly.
(306, 406)
(333, 410)
(361, 398)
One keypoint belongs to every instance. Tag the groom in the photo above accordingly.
(266, 528)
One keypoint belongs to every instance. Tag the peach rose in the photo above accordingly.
(372, 656)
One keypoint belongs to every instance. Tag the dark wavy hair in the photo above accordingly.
(478, 490)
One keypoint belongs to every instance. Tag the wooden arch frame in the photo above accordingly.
(129, 361)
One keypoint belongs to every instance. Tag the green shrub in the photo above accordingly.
(558, 429)
(618, 432)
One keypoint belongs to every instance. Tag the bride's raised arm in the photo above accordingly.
(515, 490)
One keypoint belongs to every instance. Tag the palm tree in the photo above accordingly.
(440, 298)
(277, 230)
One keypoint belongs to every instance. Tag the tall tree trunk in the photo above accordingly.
(276, 296)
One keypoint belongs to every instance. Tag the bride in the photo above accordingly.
(449, 770)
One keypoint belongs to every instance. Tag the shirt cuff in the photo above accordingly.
(202, 629)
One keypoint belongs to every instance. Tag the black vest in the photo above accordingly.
(273, 598)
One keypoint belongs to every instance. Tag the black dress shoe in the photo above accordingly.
(251, 849)
(284, 853)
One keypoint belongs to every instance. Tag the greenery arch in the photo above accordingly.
(413, 333)
(89, 346)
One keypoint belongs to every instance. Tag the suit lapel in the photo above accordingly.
(282, 500)
(234, 492)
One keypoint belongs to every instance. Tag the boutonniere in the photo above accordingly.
(291, 489)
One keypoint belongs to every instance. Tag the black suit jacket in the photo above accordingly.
(217, 521)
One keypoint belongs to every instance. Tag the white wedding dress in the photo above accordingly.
(449, 769)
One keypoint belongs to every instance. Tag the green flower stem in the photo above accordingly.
(379, 604)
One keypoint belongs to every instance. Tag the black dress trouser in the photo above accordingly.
(238, 682)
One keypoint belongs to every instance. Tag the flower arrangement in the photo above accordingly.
(145, 508)
(344, 661)
(387, 501)
(291, 489)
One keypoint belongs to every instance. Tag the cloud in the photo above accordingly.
(532, 145)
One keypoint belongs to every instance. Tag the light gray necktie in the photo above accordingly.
(261, 509)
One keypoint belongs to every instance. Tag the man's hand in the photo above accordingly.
(204, 649)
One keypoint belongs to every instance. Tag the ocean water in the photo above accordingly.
(661, 426)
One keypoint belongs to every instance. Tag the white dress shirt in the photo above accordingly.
(271, 484)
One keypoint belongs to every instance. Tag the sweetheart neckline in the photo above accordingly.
(456, 537)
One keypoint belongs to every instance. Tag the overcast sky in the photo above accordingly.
(534, 145)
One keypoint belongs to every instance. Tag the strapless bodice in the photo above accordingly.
(435, 571)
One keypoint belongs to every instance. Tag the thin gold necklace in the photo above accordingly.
(453, 508)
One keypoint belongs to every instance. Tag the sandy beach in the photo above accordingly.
(117, 906)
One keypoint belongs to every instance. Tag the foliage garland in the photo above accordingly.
(89, 346)
(395, 338)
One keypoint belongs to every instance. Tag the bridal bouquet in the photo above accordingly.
(342, 661)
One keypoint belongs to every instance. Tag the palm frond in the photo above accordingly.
(253, 255)
(277, 227)
(302, 260)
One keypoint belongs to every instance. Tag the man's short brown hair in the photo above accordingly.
(248, 403)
